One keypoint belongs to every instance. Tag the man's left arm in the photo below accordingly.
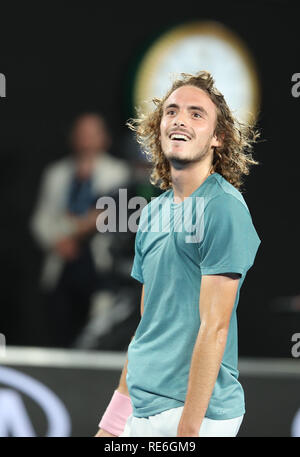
(217, 298)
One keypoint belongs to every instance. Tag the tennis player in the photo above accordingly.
(193, 248)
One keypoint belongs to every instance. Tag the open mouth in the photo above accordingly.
(179, 137)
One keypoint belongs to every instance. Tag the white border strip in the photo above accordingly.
(269, 367)
(62, 358)
(113, 360)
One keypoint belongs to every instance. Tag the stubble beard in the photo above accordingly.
(179, 163)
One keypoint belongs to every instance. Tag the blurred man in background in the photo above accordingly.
(111, 328)
(77, 257)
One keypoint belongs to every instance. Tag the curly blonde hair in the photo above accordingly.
(232, 160)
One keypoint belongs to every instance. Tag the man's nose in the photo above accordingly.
(179, 122)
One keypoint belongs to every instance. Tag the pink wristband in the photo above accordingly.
(116, 414)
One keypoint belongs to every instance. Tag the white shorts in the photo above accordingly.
(166, 424)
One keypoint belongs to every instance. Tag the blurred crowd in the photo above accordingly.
(88, 299)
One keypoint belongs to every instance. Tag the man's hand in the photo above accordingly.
(185, 428)
(67, 248)
(85, 224)
(103, 433)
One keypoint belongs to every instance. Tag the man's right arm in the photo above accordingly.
(122, 388)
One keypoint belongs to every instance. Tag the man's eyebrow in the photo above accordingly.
(191, 108)
(198, 108)
(172, 105)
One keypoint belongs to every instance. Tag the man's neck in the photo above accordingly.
(186, 180)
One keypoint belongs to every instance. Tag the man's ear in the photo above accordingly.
(218, 140)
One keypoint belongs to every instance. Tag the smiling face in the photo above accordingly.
(187, 126)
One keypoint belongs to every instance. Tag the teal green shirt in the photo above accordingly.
(211, 232)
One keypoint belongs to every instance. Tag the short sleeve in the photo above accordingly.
(230, 241)
(137, 268)
(136, 271)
